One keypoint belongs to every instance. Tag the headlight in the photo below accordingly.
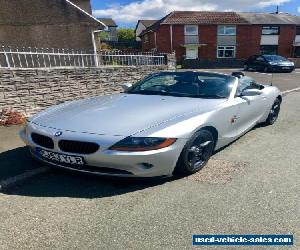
(273, 63)
(142, 143)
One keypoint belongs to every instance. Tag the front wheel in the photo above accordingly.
(196, 153)
(274, 112)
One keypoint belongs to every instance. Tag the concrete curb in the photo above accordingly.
(284, 93)
(22, 177)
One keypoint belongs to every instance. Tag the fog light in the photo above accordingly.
(146, 165)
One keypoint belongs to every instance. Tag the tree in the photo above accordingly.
(125, 34)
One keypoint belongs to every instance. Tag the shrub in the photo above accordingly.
(10, 117)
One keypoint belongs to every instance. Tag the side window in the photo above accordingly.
(260, 58)
(246, 83)
(252, 58)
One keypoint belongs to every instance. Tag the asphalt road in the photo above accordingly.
(14, 156)
(284, 81)
(250, 187)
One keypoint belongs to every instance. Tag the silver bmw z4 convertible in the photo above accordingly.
(168, 123)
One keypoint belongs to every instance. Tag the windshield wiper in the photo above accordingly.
(175, 94)
(211, 96)
(149, 92)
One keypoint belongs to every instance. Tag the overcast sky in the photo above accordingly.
(127, 12)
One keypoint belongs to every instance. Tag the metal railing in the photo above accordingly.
(67, 58)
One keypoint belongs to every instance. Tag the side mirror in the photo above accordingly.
(251, 92)
(126, 86)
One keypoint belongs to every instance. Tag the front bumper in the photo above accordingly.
(107, 162)
(280, 68)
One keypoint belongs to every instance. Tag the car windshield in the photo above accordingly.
(271, 58)
(185, 84)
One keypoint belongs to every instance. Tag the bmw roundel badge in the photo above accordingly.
(58, 133)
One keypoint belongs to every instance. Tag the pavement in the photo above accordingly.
(249, 187)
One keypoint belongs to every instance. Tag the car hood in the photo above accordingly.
(121, 114)
(283, 63)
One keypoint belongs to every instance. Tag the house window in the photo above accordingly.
(226, 52)
(297, 52)
(146, 38)
(270, 30)
(298, 30)
(191, 30)
(226, 30)
(191, 53)
(268, 49)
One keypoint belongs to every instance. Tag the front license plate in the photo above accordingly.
(60, 158)
(285, 67)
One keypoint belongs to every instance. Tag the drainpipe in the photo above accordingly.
(155, 41)
(95, 46)
(171, 37)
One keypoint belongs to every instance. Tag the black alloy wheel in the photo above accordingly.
(274, 112)
(196, 153)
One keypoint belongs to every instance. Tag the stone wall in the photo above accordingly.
(29, 91)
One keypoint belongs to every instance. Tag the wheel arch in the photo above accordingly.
(213, 130)
(209, 128)
(280, 98)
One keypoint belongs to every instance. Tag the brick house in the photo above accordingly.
(141, 26)
(48, 24)
(222, 38)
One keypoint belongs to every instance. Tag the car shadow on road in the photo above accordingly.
(14, 162)
(58, 183)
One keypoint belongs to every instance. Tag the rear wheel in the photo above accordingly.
(274, 112)
(196, 153)
(266, 69)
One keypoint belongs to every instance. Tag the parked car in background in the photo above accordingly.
(269, 63)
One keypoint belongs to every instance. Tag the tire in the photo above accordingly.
(274, 112)
(195, 153)
(266, 70)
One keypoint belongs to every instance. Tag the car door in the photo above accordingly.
(260, 63)
(251, 61)
(250, 108)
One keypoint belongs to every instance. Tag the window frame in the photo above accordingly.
(146, 38)
(226, 46)
(225, 27)
(297, 30)
(270, 28)
(196, 33)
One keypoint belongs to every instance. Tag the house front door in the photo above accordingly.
(191, 53)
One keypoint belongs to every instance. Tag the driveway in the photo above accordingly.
(250, 187)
